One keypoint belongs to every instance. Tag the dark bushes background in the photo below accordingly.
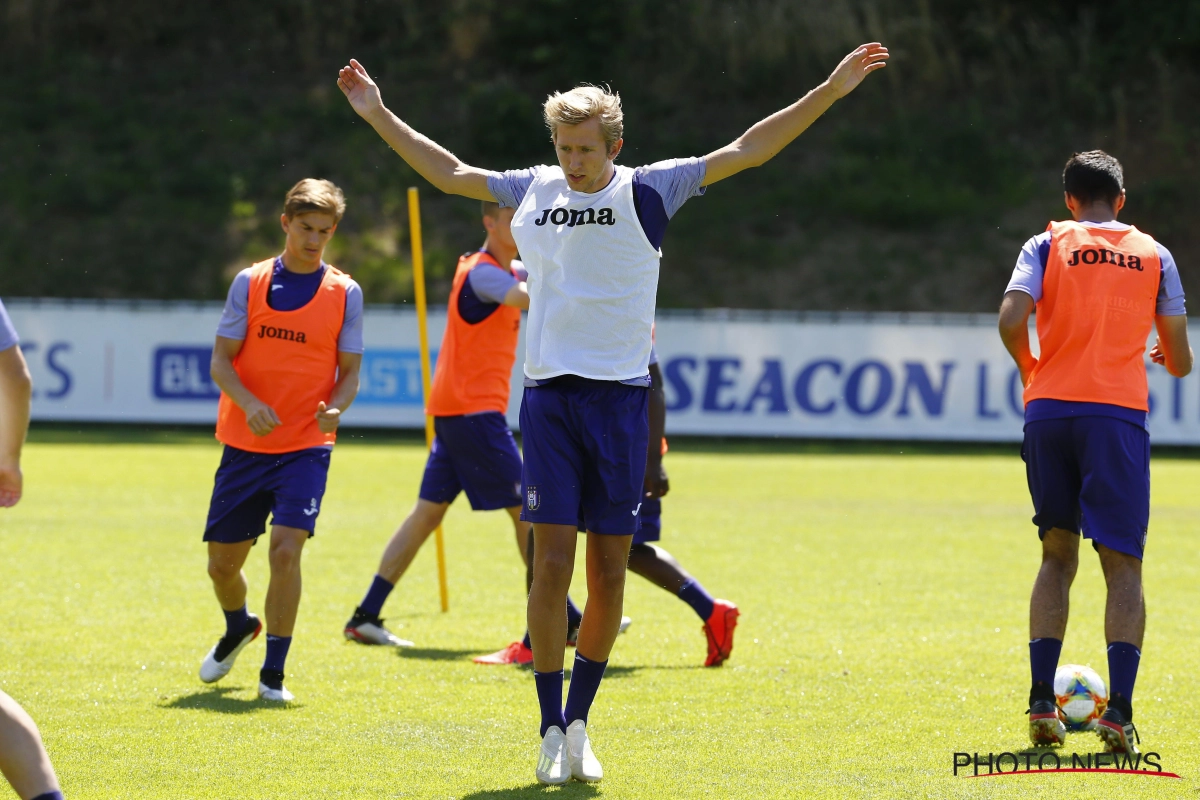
(145, 146)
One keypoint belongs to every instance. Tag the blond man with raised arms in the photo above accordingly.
(589, 233)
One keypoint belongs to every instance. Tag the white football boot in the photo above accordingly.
(212, 670)
(584, 766)
(367, 629)
(573, 633)
(280, 695)
(552, 769)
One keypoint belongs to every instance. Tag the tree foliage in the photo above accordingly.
(147, 145)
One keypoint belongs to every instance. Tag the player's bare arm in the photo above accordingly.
(16, 389)
(765, 139)
(1172, 349)
(656, 482)
(260, 417)
(330, 414)
(433, 162)
(1014, 331)
(518, 296)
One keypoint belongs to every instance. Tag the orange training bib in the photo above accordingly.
(474, 365)
(1097, 309)
(289, 361)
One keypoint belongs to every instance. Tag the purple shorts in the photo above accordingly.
(1090, 474)
(585, 453)
(475, 453)
(249, 486)
(651, 517)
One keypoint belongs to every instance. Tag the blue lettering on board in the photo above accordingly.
(915, 377)
(716, 380)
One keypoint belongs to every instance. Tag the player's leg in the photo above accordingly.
(1115, 502)
(225, 563)
(298, 488)
(1052, 470)
(659, 567)
(520, 652)
(406, 542)
(552, 481)
(237, 517)
(282, 607)
(439, 487)
(1124, 627)
(607, 557)
(615, 433)
(553, 566)
(365, 625)
(23, 759)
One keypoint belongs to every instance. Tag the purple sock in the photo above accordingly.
(55, 795)
(1043, 660)
(694, 595)
(378, 593)
(549, 692)
(574, 615)
(1123, 660)
(235, 621)
(277, 650)
(585, 680)
(526, 641)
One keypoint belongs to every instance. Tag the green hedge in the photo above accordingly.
(147, 145)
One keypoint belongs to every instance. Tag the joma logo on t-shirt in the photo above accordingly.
(269, 332)
(576, 216)
(1098, 255)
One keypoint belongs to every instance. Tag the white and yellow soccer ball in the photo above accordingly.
(1082, 696)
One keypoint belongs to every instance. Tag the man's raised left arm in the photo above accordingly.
(765, 139)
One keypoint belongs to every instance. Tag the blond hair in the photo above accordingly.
(314, 194)
(583, 103)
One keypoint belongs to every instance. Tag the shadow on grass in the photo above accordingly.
(217, 699)
(436, 654)
(571, 789)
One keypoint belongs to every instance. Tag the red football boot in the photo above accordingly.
(719, 631)
(516, 653)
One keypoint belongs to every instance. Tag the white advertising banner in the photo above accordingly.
(726, 373)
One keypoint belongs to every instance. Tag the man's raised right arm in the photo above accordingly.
(432, 162)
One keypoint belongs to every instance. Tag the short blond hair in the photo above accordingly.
(583, 103)
(315, 194)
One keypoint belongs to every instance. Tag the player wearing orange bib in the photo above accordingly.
(1099, 287)
(287, 359)
(473, 449)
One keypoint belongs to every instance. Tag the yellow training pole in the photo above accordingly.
(418, 263)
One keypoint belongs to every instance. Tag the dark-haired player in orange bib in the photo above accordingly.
(287, 359)
(473, 449)
(1099, 287)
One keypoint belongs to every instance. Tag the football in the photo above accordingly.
(1082, 696)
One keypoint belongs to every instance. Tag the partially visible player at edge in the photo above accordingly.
(1099, 286)
(473, 449)
(23, 759)
(651, 561)
(589, 233)
(287, 358)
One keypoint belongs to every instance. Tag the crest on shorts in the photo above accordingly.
(533, 498)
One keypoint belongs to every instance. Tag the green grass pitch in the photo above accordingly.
(884, 598)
